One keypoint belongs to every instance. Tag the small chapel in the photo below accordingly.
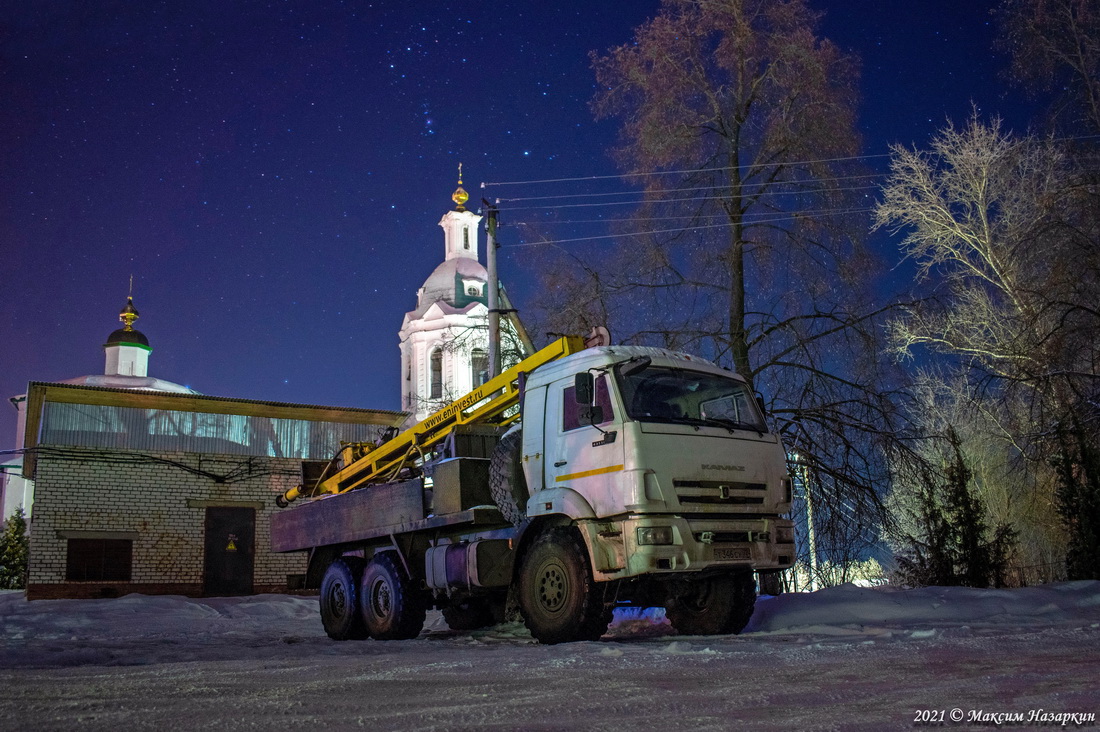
(444, 341)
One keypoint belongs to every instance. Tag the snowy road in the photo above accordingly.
(845, 658)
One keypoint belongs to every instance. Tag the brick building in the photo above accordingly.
(168, 493)
(137, 484)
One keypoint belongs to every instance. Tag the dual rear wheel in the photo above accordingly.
(372, 599)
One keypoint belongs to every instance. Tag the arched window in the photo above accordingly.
(479, 361)
(465, 237)
(437, 374)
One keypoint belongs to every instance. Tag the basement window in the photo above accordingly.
(99, 560)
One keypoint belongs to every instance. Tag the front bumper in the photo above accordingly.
(620, 550)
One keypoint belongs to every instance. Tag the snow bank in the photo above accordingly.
(878, 612)
(846, 658)
(850, 609)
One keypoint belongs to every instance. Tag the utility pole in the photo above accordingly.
(494, 288)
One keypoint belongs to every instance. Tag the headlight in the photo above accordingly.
(784, 534)
(651, 535)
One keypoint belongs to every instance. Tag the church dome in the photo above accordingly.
(457, 282)
(127, 336)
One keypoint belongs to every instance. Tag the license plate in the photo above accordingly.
(726, 554)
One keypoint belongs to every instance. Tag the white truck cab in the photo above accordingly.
(677, 472)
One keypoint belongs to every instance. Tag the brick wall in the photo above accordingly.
(159, 502)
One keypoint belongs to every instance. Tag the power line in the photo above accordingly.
(486, 184)
(671, 200)
(704, 188)
(669, 231)
(747, 215)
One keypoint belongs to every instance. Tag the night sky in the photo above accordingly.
(272, 173)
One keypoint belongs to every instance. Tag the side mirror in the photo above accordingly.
(760, 403)
(591, 415)
(584, 388)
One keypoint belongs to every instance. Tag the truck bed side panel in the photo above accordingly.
(347, 517)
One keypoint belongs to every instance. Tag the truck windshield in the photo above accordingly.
(676, 396)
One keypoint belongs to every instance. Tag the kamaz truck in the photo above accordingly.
(580, 480)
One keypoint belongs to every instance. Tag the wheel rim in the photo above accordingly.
(553, 587)
(338, 600)
(381, 599)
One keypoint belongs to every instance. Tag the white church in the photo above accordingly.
(445, 340)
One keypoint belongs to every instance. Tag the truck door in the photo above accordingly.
(578, 455)
(534, 441)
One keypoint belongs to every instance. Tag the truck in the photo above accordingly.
(587, 477)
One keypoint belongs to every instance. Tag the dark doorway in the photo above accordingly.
(230, 534)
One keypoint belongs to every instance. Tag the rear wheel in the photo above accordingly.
(558, 597)
(771, 583)
(340, 600)
(714, 605)
(392, 608)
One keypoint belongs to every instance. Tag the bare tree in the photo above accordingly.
(1055, 46)
(738, 122)
(1005, 233)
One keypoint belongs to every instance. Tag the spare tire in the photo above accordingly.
(507, 483)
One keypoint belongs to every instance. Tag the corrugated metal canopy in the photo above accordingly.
(90, 416)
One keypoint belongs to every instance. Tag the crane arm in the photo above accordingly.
(485, 404)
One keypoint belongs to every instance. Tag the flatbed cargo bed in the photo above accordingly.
(370, 513)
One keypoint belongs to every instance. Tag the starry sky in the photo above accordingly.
(272, 173)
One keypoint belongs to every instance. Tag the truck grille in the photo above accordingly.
(722, 537)
(717, 492)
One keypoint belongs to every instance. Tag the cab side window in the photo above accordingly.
(571, 411)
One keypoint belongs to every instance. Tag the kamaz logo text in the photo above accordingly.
(739, 468)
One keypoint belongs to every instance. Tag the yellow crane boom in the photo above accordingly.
(485, 404)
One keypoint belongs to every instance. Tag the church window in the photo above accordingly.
(472, 291)
(479, 361)
(465, 237)
(437, 374)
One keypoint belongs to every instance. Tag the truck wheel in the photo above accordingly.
(507, 483)
(714, 605)
(771, 583)
(340, 600)
(470, 614)
(559, 600)
(391, 607)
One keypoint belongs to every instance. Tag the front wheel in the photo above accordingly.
(340, 600)
(714, 605)
(392, 608)
(558, 598)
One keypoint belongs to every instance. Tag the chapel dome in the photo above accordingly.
(124, 335)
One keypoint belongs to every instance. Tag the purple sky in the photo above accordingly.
(272, 173)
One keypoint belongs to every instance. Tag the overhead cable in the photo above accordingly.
(670, 231)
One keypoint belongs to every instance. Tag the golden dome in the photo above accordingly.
(460, 196)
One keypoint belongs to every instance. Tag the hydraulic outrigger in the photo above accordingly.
(486, 404)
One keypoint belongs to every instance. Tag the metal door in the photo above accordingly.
(230, 554)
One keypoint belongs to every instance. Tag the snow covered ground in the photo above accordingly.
(846, 658)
